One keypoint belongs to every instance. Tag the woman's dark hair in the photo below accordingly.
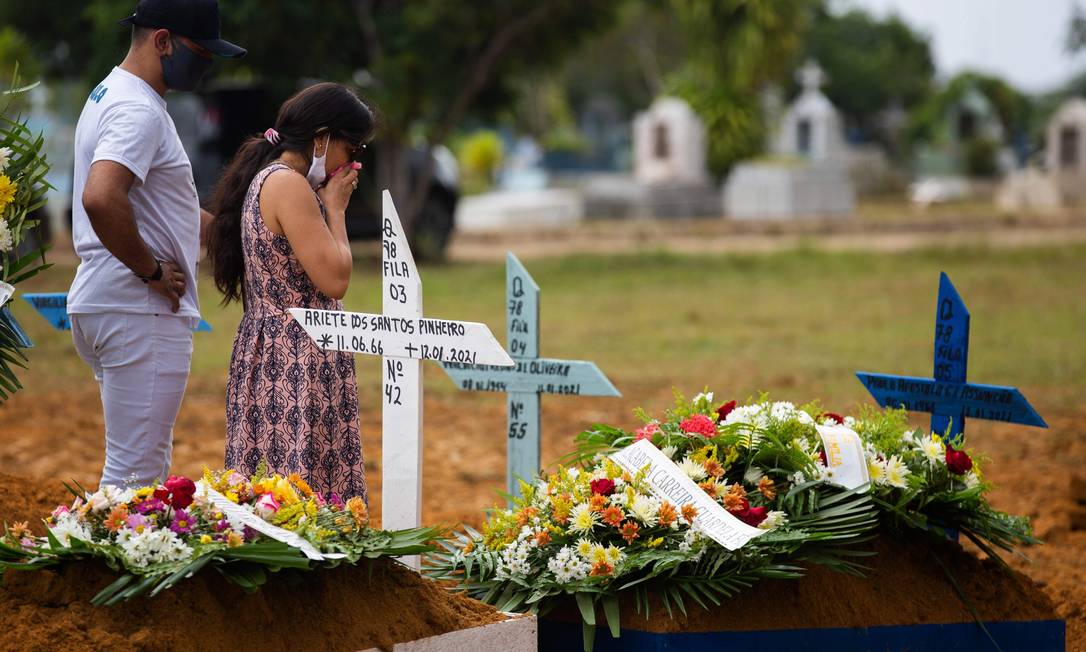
(309, 113)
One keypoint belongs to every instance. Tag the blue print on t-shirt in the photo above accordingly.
(98, 93)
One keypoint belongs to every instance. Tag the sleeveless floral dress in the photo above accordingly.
(288, 401)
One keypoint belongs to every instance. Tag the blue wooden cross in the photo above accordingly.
(947, 396)
(531, 376)
(53, 306)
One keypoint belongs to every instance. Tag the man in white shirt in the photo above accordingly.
(136, 226)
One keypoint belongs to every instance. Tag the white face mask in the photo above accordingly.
(317, 171)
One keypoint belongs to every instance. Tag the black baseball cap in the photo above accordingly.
(197, 20)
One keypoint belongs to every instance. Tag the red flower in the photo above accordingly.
(603, 487)
(177, 491)
(723, 411)
(750, 515)
(822, 456)
(699, 424)
(958, 462)
(832, 416)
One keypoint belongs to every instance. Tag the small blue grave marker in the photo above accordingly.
(54, 307)
(947, 396)
(8, 320)
(531, 376)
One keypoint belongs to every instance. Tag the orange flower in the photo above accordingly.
(667, 514)
(597, 502)
(601, 568)
(469, 546)
(735, 498)
(713, 467)
(19, 530)
(629, 531)
(117, 518)
(709, 487)
(542, 538)
(302, 485)
(526, 515)
(357, 507)
(765, 485)
(613, 515)
(689, 512)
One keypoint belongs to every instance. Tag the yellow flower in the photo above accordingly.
(655, 543)
(7, 191)
(234, 539)
(302, 485)
(206, 538)
(143, 492)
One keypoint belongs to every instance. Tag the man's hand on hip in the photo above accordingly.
(171, 285)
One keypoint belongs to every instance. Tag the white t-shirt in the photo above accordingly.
(125, 120)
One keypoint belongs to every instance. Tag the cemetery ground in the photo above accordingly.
(796, 322)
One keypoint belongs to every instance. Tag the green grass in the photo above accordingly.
(796, 323)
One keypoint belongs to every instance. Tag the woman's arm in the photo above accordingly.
(289, 208)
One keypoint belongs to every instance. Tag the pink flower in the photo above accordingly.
(647, 431)
(151, 505)
(61, 510)
(698, 424)
(334, 499)
(266, 505)
(183, 522)
(137, 523)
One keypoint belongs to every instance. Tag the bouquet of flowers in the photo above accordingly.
(158, 535)
(596, 530)
(22, 191)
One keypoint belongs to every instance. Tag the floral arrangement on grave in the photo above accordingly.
(599, 527)
(22, 191)
(595, 531)
(243, 527)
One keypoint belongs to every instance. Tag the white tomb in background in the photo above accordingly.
(807, 174)
(1065, 149)
(669, 146)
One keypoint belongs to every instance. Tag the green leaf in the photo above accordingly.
(585, 603)
(610, 612)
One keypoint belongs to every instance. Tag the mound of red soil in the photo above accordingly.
(904, 586)
(373, 604)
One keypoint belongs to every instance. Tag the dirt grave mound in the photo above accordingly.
(905, 585)
(374, 604)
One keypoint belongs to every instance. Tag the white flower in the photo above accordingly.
(933, 450)
(645, 510)
(753, 475)
(896, 471)
(802, 444)
(669, 451)
(567, 566)
(751, 415)
(584, 547)
(798, 478)
(773, 519)
(824, 473)
(514, 560)
(692, 469)
(5, 236)
(876, 469)
(573, 473)
(582, 518)
(153, 547)
(67, 527)
(108, 497)
(5, 157)
(703, 396)
(850, 423)
(971, 480)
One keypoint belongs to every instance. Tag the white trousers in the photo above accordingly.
(141, 363)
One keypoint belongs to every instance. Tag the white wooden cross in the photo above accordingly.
(403, 337)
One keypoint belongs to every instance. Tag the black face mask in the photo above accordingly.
(183, 70)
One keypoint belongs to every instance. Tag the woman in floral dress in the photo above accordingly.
(278, 241)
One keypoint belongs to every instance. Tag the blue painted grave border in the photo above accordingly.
(53, 306)
(1032, 635)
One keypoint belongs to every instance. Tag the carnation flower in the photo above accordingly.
(698, 424)
(647, 431)
(692, 469)
(6, 241)
(603, 486)
(773, 519)
(723, 411)
(178, 491)
(958, 462)
(644, 509)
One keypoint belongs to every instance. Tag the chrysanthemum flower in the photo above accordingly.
(7, 191)
(767, 488)
(629, 531)
(613, 516)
